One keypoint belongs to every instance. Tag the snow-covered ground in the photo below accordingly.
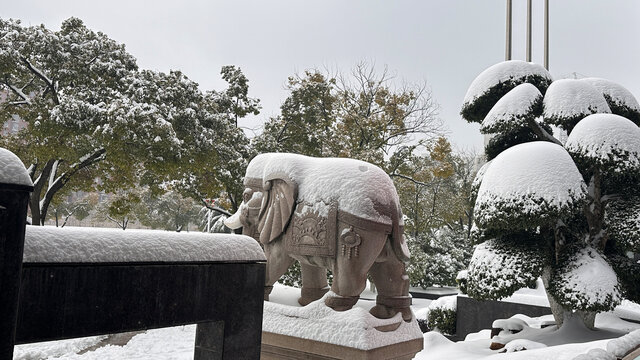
(177, 343)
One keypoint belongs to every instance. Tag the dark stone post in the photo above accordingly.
(13, 215)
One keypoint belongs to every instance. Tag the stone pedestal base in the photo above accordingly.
(276, 346)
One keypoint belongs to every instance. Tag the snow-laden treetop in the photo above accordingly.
(617, 94)
(567, 101)
(513, 110)
(527, 185)
(83, 245)
(357, 186)
(496, 81)
(607, 139)
(12, 170)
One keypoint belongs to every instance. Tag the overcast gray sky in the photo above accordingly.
(446, 42)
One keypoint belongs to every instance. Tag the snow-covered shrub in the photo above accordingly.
(442, 315)
(565, 211)
(568, 101)
(585, 281)
(496, 81)
(500, 267)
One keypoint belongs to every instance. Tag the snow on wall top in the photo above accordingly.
(356, 185)
(84, 245)
(604, 137)
(353, 328)
(618, 93)
(502, 72)
(12, 170)
(512, 110)
(524, 174)
(568, 98)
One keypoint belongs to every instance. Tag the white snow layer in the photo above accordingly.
(589, 280)
(618, 93)
(12, 170)
(501, 72)
(623, 345)
(604, 137)
(512, 109)
(356, 185)
(568, 98)
(353, 328)
(528, 172)
(445, 303)
(84, 245)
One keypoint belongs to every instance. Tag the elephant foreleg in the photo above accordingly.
(277, 264)
(392, 284)
(314, 283)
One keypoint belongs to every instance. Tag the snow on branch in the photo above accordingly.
(50, 84)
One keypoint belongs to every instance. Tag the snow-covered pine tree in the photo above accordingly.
(565, 211)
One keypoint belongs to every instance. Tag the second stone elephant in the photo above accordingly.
(328, 213)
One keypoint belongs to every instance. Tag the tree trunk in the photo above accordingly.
(561, 314)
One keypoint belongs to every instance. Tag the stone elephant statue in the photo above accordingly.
(328, 213)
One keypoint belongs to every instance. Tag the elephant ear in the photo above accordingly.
(277, 208)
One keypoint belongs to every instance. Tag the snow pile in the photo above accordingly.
(567, 101)
(12, 170)
(528, 184)
(586, 282)
(522, 344)
(357, 186)
(617, 96)
(353, 328)
(54, 349)
(616, 348)
(606, 139)
(496, 81)
(85, 245)
(513, 110)
(625, 344)
(513, 324)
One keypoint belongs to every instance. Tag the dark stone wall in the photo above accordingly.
(475, 315)
(60, 301)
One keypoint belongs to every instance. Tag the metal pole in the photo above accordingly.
(507, 55)
(546, 34)
(529, 30)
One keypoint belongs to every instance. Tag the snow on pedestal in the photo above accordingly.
(606, 139)
(12, 170)
(513, 110)
(567, 101)
(528, 184)
(88, 245)
(496, 81)
(354, 328)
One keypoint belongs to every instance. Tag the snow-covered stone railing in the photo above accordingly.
(76, 282)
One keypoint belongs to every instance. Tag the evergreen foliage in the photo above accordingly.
(535, 219)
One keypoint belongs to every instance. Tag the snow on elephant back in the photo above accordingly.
(328, 213)
(567, 211)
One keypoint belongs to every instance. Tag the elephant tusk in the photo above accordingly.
(233, 222)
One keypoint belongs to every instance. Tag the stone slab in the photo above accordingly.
(284, 347)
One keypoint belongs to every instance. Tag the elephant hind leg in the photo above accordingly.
(392, 283)
(314, 283)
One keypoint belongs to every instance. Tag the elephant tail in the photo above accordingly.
(398, 242)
